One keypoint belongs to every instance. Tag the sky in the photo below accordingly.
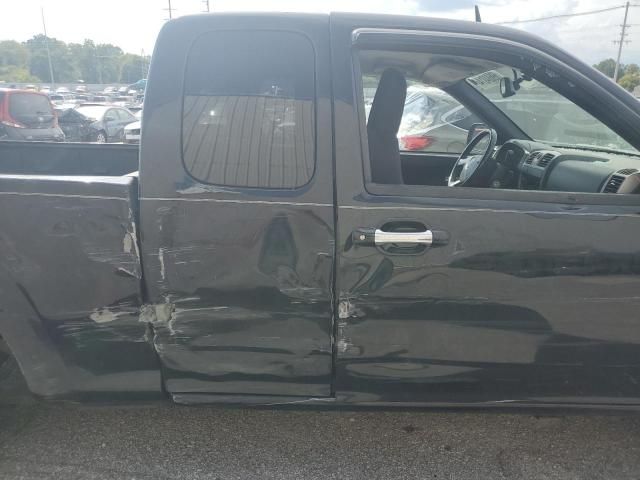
(134, 24)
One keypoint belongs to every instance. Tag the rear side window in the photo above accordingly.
(248, 112)
(122, 115)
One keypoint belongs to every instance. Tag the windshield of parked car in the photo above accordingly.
(545, 115)
(92, 111)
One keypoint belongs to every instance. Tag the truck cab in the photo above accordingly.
(280, 242)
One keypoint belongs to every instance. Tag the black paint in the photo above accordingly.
(261, 296)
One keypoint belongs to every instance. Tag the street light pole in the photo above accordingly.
(46, 43)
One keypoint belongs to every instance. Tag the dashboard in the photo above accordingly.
(529, 165)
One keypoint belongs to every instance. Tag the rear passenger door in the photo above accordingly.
(237, 207)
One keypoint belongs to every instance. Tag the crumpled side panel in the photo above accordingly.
(70, 288)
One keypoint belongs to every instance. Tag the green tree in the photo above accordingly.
(629, 81)
(13, 53)
(13, 73)
(108, 62)
(133, 68)
(64, 67)
(608, 67)
(86, 60)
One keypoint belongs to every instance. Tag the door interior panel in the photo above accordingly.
(426, 168)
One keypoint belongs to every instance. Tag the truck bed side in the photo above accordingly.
(70, 284)
(46, 158)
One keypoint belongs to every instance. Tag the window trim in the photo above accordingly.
(226, 187)
(412, 40)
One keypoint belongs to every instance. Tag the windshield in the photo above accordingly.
(544, 114)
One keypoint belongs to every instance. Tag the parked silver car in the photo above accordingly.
(108, 121)
(433, 121)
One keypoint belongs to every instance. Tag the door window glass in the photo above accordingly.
(565, 141)
(248, 113)
(432, 120)
(544, 114)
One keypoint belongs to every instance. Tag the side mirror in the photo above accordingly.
(507, 88)
(475, 129)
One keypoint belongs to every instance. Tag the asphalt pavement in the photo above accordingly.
(41, 440)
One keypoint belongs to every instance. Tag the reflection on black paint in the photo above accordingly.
(551, 263)
(378, 279)
(278, 247)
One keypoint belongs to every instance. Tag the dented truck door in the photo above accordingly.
(468, 295)
(237, 211)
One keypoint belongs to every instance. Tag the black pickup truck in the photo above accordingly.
(276, 245)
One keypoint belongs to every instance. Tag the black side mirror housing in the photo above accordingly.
(507, 87)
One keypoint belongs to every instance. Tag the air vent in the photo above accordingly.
(613, 185)
(546, 159)
(627, 171)
(531, 158)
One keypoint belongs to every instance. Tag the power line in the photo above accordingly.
(567, 15)
(623, 30)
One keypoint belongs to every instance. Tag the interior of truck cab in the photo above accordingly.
(500, 122)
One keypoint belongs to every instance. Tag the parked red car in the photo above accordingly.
(27, 115)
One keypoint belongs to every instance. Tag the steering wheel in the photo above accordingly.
(475, 170)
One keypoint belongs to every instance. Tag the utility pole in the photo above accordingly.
(206, 5)
(99, 65)
(170, 10)
(142, 62)
(46, 43)
(623, 34)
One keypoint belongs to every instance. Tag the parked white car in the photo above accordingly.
(132, 131)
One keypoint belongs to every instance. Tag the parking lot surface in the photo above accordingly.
(164, 441)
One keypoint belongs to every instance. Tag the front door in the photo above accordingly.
(474, 295)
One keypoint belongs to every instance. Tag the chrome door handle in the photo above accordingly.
(381, 237)
(371, 237)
